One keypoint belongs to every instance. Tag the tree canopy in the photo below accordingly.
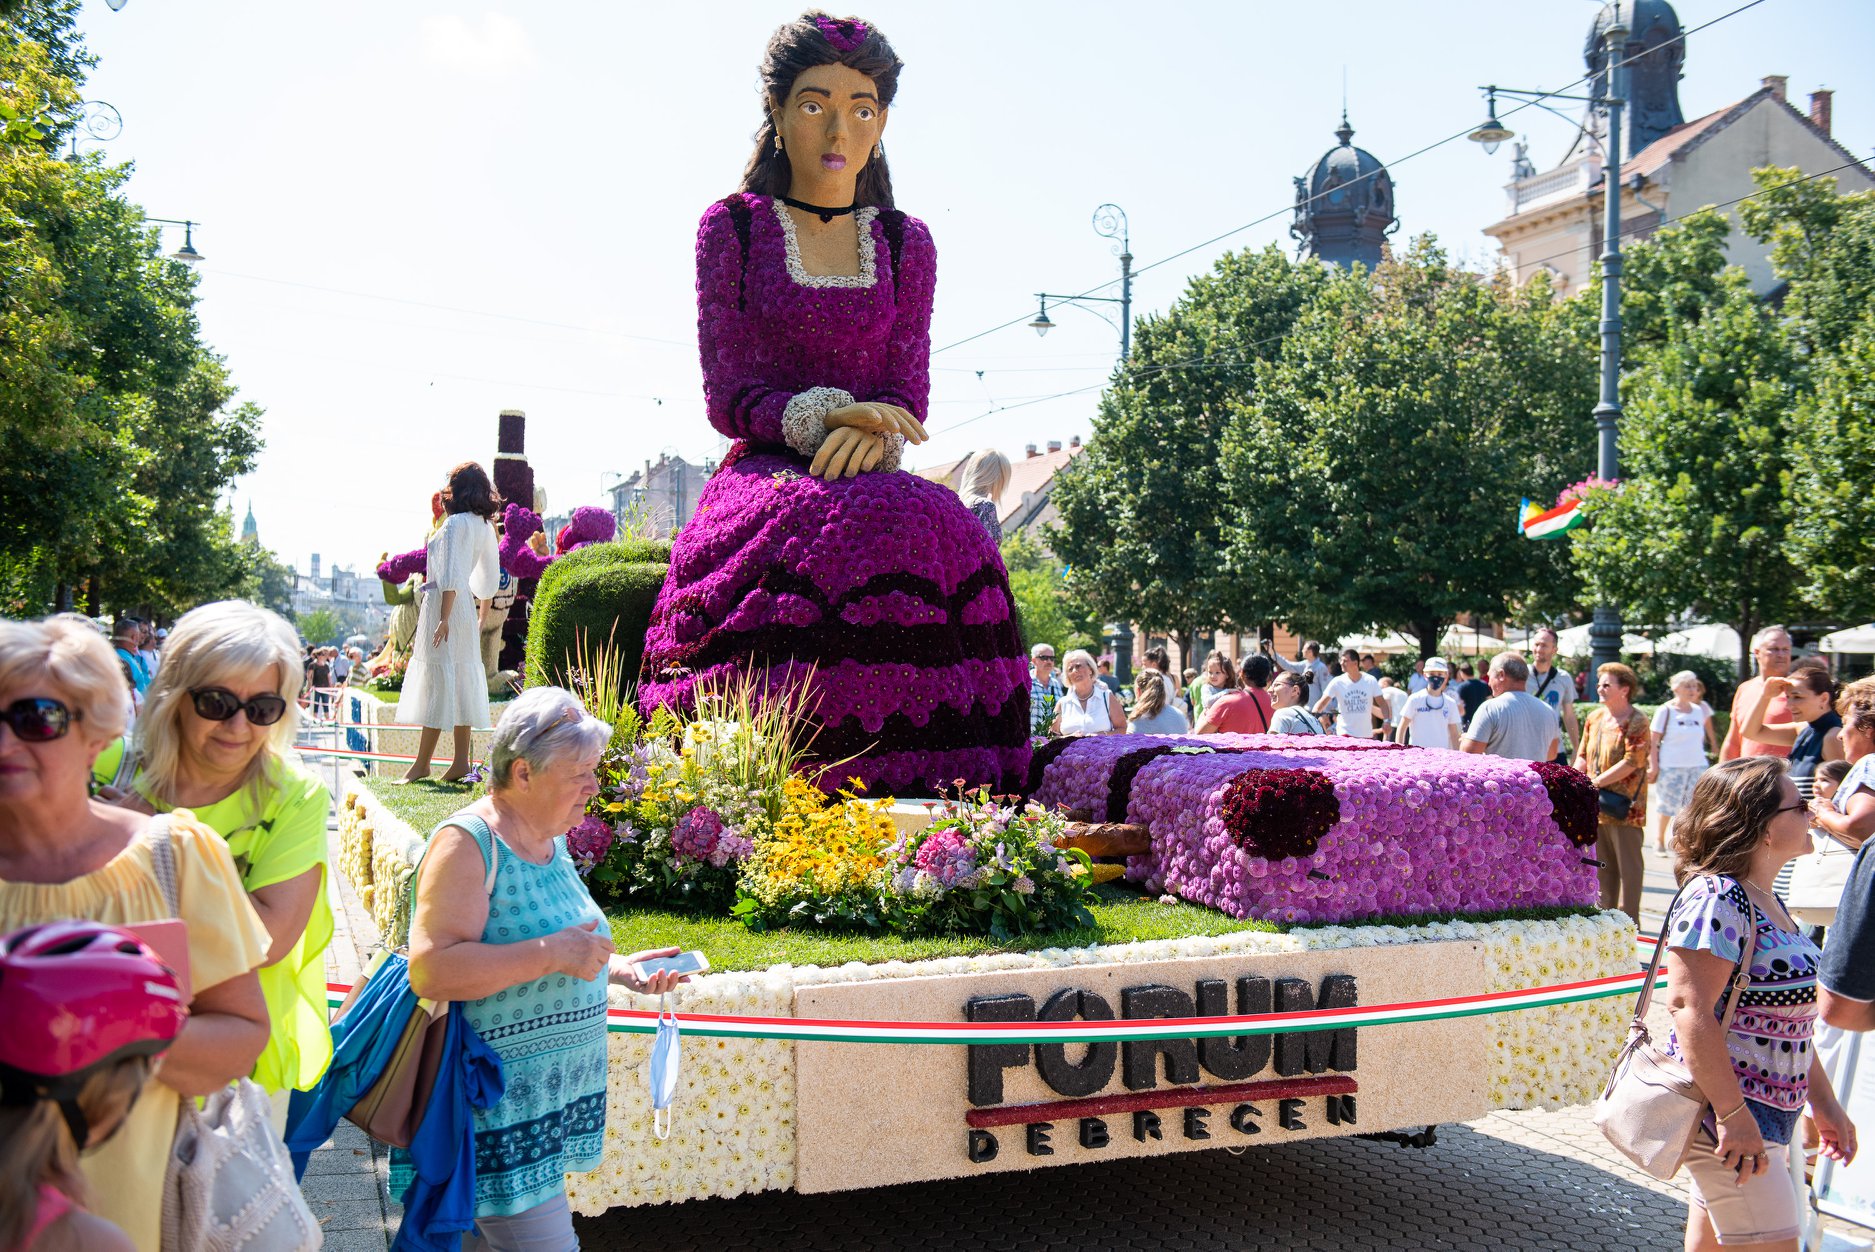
(118, 427)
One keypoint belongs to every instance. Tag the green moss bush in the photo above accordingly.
(606, 591)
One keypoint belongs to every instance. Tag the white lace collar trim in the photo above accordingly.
(868, 251)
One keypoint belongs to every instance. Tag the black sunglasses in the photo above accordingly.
(38, 719)
(218, 704)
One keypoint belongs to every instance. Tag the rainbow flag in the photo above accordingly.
(1537, 522)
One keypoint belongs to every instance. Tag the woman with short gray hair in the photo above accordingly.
(504, 923)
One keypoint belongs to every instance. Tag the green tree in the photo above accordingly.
(267, 581)
(1048, 610)
(1698, 524)
(1372, 476)
(1143, 529)
(116, 423)
(1823, 246)
(321, 626)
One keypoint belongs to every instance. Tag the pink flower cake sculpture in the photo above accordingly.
(1320, 830)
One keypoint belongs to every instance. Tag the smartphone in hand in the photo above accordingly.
(682, 963)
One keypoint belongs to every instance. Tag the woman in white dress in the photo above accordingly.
(446, 684)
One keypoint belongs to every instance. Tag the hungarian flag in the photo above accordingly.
(1540, 523)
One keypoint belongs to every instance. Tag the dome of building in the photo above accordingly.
(1655, 53)
(1344, 204)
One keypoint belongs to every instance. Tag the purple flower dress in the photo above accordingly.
(880, 592)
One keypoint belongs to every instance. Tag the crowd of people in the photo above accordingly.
(165, 886)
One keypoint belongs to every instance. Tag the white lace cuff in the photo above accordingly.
(804, 420)
(894, 447)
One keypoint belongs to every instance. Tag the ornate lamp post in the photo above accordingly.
(98, 121)
(1109, 223)
(1605, 632)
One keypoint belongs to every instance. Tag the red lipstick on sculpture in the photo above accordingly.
(833, 161)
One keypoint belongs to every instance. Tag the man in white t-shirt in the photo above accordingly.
(1433, 717)
(1352, 695)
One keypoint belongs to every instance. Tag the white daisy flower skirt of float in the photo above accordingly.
(1508, 990)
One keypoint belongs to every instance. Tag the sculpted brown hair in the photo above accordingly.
(1731, 808)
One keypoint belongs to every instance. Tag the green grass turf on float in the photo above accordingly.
(1122, 914)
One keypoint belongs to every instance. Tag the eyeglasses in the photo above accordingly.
(1798, 807)
(38, 719)
(218, 704)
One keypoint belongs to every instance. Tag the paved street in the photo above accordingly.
(1529, 1180)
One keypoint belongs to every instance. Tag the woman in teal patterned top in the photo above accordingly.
(529, 961)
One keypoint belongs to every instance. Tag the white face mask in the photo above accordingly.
(663, 1070)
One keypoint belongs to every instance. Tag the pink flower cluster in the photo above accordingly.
(701, 836)
(588, 842)
(947, 857)
(1418, 831)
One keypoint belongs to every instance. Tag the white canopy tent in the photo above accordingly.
(1714, 639)
(1857, 639)
(1576, 642)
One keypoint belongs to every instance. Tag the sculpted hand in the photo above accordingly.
(846, 453)
(580, 952)
(878, 419)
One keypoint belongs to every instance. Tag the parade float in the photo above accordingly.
(909, 991)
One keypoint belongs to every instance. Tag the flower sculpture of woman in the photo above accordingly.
(812, 559)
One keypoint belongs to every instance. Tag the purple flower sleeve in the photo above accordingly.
(906, 379)
(736, 398)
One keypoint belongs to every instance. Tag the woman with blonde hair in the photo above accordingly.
(216, 738)
(985, 478)
(1744, 821)
(1151, 714)
(64, 855)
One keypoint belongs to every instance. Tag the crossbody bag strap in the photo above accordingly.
(485, 842)
(158, 834)
(1741, 972)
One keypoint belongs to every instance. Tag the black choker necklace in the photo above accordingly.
(826, 215)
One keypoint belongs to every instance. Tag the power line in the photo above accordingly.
(1418, 152)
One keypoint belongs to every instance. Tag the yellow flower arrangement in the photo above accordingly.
(822, 853)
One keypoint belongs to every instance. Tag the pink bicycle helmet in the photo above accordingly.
(75, 995)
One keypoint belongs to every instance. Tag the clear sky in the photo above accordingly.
(418, 214)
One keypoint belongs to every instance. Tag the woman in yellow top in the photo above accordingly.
(64, 855)
(214, 738)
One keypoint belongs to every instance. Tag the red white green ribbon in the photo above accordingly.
(837, 1030)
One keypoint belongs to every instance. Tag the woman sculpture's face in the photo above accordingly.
(829, 125)
(225, 749)
(48, 772)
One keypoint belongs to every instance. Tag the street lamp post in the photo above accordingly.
(1109, 223)
(187, 251)
(1605, 630)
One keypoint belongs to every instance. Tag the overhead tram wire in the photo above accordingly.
(1417, 152)
(1202, 363)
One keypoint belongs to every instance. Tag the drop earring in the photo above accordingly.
(777, 141)
(878, 151)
